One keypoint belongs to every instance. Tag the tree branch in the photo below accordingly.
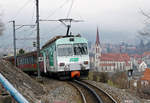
(145, 14)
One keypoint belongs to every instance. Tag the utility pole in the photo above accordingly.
(14, 42)
(14, 36)
(38, 37)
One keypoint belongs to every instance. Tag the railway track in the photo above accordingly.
(91, 93)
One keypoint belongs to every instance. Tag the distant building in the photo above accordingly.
(136, 61)
(97, 50)
(146, 58)
(145, 80)
(142, 66)
(113, 62)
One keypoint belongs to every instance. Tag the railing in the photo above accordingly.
(14, 93)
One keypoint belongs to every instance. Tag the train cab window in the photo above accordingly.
(80, 49)
(65, 50)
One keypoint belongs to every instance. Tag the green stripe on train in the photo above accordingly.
(74, 59)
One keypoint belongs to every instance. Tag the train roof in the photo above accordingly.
(28, 54)
(58, 37)
(52, 40)
(22, 55)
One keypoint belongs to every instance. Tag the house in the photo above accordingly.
(142, 66)
(146, 58)
(136, 60)
(113, 62)
(145, 80)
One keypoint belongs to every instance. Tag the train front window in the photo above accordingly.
(65, 50)
(80, 49)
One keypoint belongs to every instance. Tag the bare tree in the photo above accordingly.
(146, 30)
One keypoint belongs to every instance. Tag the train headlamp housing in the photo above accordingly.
(86, 62)
(61, 64)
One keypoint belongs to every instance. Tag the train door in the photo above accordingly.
(51, 56)
(47, 60)
(45, 68)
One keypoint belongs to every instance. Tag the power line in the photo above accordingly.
(61, 6)
(33, 13)
(20, 9)
(77, 13)
(70, 9)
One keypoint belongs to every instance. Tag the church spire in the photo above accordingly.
(97, 38)
(98, 50)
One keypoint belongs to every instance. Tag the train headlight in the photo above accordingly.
(86, 62)
(61, 64)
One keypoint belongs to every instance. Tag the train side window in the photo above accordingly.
(24, 60)
(20, 61)
(29, 60)
(32, 60)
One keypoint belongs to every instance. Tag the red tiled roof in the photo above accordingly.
(136, 56)
(146, 75)
(146, 53)
(116, 57)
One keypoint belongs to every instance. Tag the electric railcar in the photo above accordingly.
(66, 56)
(63, 56)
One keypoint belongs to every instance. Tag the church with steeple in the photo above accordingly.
(97, 50)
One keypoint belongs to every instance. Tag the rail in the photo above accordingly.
(99, 100)
(82, 95)
(102, 91)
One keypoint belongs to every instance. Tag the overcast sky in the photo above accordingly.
(117, 20)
